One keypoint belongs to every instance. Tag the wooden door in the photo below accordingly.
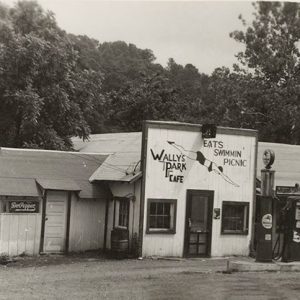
(55, 222)
(198, 223)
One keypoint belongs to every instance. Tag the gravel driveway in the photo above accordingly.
(98, 278)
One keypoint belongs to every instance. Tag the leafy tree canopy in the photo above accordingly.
(55, 85)
(44, 97)
(153, 99)
(265, 86)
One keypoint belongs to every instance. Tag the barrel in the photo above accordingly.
(119, 241)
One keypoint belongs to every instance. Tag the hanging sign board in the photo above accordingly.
(287, 190)
(23, 206)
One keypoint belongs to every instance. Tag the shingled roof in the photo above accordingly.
(22, 170)
(108, 143)
(123, 162)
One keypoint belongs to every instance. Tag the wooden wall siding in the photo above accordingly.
(121, 190)
(86, 224)
(197, 177)
(20, 233)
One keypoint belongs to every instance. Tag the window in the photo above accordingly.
(235, 217)
(161, 216)
(123, 213)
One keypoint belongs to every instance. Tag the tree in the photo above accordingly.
(89, 57)
(124, 63)
(192, 88)
(45, 98)
(272, 60)
(153, 99)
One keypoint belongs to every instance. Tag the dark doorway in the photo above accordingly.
(198, 223)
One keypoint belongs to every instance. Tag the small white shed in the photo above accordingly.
(47, 204)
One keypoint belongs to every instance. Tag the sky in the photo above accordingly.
(189, 32)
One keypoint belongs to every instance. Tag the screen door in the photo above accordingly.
(198, 223)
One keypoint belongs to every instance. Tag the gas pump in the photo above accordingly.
(287, 245)
(291, 229)
(265, 222)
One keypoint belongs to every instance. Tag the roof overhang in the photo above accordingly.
(59, 184)
(19, 187)
(131, 178)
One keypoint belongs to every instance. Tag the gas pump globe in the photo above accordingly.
(267, 175)
(268, 158)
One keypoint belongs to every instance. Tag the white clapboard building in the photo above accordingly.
(166, 191)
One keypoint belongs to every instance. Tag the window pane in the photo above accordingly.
(234, 217)
(152, 222)
(153, 208)
(123, 213)
(161, 215)
(160, 222)
(167, 222)
(160, 208)
(167, 209)
(193, 249)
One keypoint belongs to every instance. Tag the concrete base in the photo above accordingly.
(252, 266)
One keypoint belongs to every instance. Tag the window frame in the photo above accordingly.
(117, 211)
(245, 230)
(121, 214)
(161, 230)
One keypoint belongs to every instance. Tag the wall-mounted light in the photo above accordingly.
(209, 131)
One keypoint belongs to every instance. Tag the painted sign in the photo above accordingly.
(266, 221)
(296, 236)
(231, 157)
(288, 190)
(210, 164)
(173, 165)
(23, 206)
(268, 237)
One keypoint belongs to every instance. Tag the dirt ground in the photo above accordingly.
(93, 276)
